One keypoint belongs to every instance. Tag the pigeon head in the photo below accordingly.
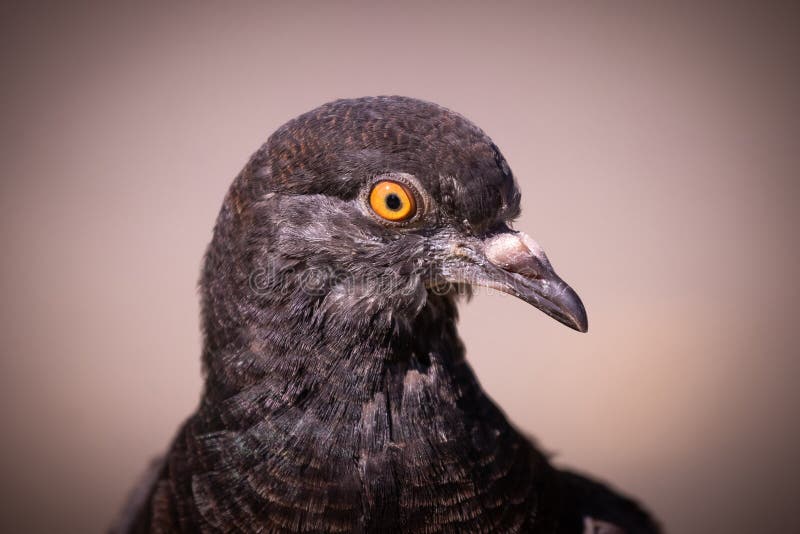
(361, 213)
(337, 397)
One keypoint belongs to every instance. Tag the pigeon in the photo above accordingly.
(337, 396)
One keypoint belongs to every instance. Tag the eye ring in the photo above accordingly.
(392, 201)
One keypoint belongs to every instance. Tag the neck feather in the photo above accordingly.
(351, 409)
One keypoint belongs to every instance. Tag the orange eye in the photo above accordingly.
(392, 201)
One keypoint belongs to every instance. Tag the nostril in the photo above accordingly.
(510, 253)
(502, 249)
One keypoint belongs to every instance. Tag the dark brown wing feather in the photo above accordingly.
(591, 507)
(134, 517)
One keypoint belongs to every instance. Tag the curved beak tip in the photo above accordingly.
(580, 322)
(566, 307)
(535, 281)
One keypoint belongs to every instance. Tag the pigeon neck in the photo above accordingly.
(349, 355)
(362, 416)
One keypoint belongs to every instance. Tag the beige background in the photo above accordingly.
(657, 151)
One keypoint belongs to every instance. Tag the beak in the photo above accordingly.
(512, 262)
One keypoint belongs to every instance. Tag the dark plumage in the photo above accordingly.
(337, 397)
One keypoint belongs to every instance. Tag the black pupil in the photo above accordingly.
(393, 201)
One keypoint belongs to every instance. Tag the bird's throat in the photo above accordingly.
(385, 428)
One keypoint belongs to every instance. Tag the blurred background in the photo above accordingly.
(656, 148)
